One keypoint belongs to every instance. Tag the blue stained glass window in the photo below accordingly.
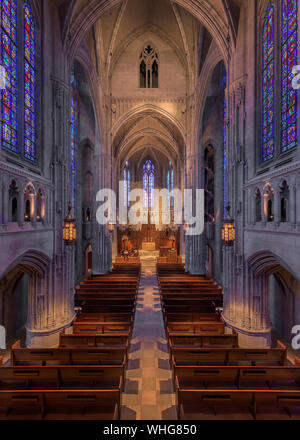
(224, 85)
(73, 150)
(268, 84)
(148, 184)
(127, 184)
(170, 184)
(29, 84)
(9, 96)
(289, 40)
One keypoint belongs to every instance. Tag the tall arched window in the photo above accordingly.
(209, 172)
(283, 15)
(29, 84)
(9, 60)
(149, 68)
(170, 184)
(258, 206)
(224, 85)
(268, 87)
(73, 149)
(148, 184)
(289, 40)
(127, 184)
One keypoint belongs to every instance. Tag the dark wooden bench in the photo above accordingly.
(228, 356)
(82, 340)
(101, 327)
(68, 356)
(193, 317)
(204, 341)
(60, 405)
(62, 377)
(238, 404)
(195, 327)
(105, 317)
(235, 377)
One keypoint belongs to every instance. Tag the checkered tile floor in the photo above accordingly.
(149, 393)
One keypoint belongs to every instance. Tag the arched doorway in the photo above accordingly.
(24, 297)
(274, 297)
(209, 262)
(88, 260)
(14, 304)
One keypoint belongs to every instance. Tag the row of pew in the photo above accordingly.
(82, 378)
(213, 377)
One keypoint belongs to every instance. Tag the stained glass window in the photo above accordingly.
(268, 88)
(148, 184)
(73, 149)
(170, 184)
(9, 95)
(30, 84)
(289, 39)
(127, 184)
(224, 85)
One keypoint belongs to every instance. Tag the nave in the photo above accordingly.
(149, 343)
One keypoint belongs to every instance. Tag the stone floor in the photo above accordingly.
(149, 393)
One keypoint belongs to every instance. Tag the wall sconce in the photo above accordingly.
(228, 230)
(186, 226)
(111, 227)
(69, 230)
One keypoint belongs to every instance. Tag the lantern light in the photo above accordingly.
(69, 231)
(186, 226)
(111, 227)
(228, 230)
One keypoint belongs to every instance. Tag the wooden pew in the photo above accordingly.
(61, 377)
(68, 356)
(228, 356)
(194, 404)
(236, 377)
(193, 317)
(95, 327)
(182, 328)
(105, 317)
(82, 340)
(203, 341)
(60, 405)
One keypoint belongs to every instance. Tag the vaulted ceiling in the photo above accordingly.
(78, 16)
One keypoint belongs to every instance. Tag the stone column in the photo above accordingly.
(292, 202)
(5, 200)
(277, 207)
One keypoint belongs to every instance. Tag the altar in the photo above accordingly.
(148, 246)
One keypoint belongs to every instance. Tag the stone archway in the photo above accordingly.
(35, 266)
(262, 267)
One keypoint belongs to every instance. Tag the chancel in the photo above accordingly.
(138, 317)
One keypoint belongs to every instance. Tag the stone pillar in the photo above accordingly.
(263, 210)
(277, 207)
(292, 202)
(197, 256)
(297, 184)
(21, 204)
(5, 200)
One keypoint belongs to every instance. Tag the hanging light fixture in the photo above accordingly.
(228, 230)
(69, 230)
(186, 226)
(111, 227)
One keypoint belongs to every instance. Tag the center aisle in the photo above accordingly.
(149, 391)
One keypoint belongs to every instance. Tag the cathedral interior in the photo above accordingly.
(141, 97)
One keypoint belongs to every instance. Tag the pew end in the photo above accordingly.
(297, 361)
